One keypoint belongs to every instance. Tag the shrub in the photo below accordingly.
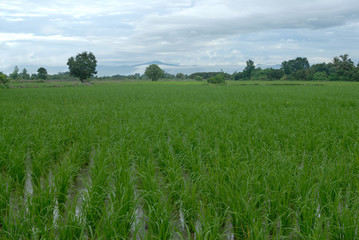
(219, 78)
(4, 80)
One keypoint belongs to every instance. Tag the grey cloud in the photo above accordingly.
(193, 32)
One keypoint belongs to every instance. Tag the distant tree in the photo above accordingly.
(248, 70)
(237, 76)
(154, 72)
(274, 74)
(169, 76)
(179, 75)
(42, 73)
(294, 65)
(33, 76)
(343, 63)
(344, 68)
(304, 74)
(198, 78)
(320, 67)
(4, 80)
(24, 74)
(83, 65)
(15, 74)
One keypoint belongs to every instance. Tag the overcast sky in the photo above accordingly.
(206, 34)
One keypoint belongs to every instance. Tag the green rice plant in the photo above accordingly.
(157, 208)
(122, 203)
(64, 177)
(40, 207)
(190, 205)
(15, 225)
(5, 192)
(94, 204)
(211, 224)
(16, 166)
(31, 218)
(71, 225)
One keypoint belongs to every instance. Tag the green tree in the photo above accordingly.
(274, 74)
(344, 68)
(321, 67)
(294, 65)
(248, 70)
(154, 72)
(83, 65)
(180, 76)
(42, 73)
(24, 74)
(343, 63)
(15, 74)
(33, 76)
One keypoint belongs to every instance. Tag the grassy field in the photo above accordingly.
(169, 160)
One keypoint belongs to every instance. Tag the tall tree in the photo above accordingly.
(154, 72)
(83, 65)
(248, 70)
(294, 65)
(15, 74)
(345, 62)
(42, 73)
(344, 68)
(24, 74)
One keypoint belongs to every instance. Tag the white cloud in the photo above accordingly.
(11, 37)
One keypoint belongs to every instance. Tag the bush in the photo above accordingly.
(4, 80)
(219, 78)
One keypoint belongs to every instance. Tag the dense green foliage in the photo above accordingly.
(83, 65)
(295, 65)
(154, 72)
(15, 74)
(162, 160)
(219, 78)
(24, 75)
(4, 80)
(42, 73)
(342, 68)
(207, 75)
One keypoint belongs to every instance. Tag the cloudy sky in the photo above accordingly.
(189, 34)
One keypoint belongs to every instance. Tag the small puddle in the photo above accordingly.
(29, 189)
(181, 215)
(229, 231)
(139, 226)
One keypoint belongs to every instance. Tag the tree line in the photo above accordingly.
(341, 68)
(83, 66)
